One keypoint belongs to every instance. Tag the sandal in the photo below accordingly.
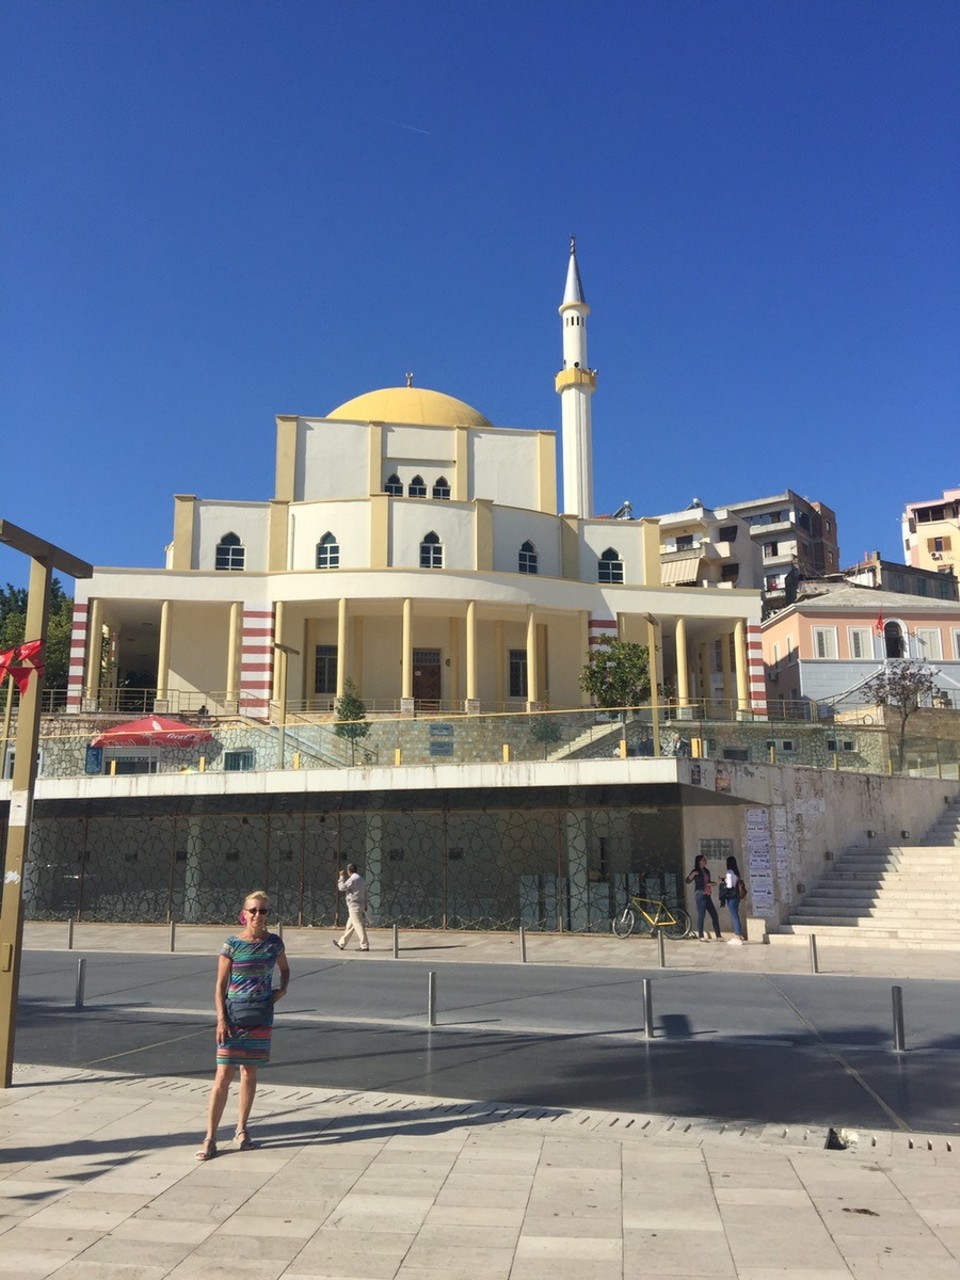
(244, 1141)
(208, 1149)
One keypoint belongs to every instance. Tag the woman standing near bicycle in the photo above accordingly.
(734, 893)
(703, 887)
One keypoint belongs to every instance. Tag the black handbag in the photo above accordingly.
(244, 1014)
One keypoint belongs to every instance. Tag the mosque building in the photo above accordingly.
(416, 550)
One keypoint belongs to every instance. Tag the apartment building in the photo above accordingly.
(931, 533)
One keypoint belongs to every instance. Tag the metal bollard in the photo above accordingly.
(70, 934)
(814, 963)
(396, 942)
(899, 1040)
(431, 999)
(81, 978)
(523, 945)
(661, 951)
(173, 936)
(648, 1008)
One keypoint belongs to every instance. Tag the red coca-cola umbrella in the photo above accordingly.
(153, 731)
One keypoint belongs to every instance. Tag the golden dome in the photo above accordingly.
(412, 405)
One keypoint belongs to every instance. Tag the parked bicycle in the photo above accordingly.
(645, 915)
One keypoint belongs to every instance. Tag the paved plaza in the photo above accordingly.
(99, 1180)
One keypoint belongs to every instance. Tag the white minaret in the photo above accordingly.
(575, 383)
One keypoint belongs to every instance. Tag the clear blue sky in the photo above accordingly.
(215, 212)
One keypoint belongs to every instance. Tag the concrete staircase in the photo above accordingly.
(946, 830)
(906, 895)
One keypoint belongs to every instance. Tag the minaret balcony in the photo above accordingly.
(576, 378)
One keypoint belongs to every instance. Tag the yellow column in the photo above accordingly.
(453, 690)
(472, 656)
(342, 672)
(163, 659)
(406, 657)
(683, 675)
(740, 650)
(727, 709)
(655, 674)
(233, 654)
(499, 660)
(533, 663)
(94, 652)
(279, 692)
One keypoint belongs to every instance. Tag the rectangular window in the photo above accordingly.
(729, 572)
(776, 657)
(824, 642)
(326, 669)
(771, 549)
(956, 645)
(518, 673)
(861, 642)
(727, 533)
(921, 586)
(238, 761)
(928, 642)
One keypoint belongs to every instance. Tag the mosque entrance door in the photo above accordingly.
(426, 679)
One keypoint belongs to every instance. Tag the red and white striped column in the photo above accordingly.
(78, 656)
(256, 663)
(756, 672)
(600, 631)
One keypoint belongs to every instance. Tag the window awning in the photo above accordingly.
(684, 569)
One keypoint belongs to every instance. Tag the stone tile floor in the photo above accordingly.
(784, 954)
(98, 1181)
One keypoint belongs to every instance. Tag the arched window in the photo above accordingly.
(610, 568)
(527, 561)
(893, 640)
(416, 488)
(230, 553)
(431, 552)
(441, 488)
(393, 486)
(328, 552)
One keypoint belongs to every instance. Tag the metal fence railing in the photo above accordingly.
(307, 740)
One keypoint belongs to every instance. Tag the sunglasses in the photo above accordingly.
(257, 911)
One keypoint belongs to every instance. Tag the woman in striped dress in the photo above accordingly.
(244, 998)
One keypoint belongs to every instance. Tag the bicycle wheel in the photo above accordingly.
(681, 926)
(623, 923)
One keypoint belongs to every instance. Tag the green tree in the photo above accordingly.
(546, 730)
(13, 620)
(350, 713)
(618, 674)
(904, 685)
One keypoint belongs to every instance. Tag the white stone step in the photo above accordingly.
(840, 937)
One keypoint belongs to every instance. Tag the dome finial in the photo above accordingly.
(573, 245)
(409, 379)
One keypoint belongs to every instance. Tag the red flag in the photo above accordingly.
(11, 661)
(880, 624)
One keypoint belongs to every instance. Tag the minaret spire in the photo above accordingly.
(575, 384)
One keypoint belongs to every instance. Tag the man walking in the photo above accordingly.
(354, 889)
